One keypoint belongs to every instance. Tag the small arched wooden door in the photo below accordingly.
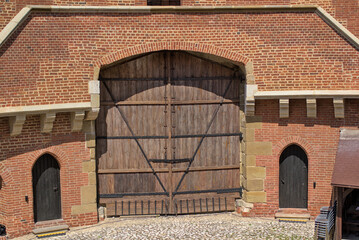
(293, 178)
(46, 189)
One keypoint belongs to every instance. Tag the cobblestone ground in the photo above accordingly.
(211, 226)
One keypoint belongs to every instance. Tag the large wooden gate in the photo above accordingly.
(168, 135)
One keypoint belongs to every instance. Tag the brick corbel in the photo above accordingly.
(311, 107)
(47, 122)
(338, 107)
(16, 124)
(77, 121)
(284, 108)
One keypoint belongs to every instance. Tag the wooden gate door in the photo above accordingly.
(168, 136)
(293, 178)
(46, 189)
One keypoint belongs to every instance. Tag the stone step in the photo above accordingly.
(51, 231)
(292, 216)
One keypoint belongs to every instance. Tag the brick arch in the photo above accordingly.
(285, 142)
(54, 151)
(185, 46)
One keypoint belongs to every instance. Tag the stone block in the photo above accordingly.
(259, 148)
(93, 114)
(254, 122)
(96, 73)
(89, 166)
(92, 153)
(254, 185)
(250, 137)
(85, 208)
(90, 140)
(77, 120)
(95, 100)
(241, 203)
(255, 172)
(94, 87)
(284, 108)
(250, 79)
(249, 68)
(254, 196)
(92, 178)
(88, 127)
(88, 194)
(251, 161)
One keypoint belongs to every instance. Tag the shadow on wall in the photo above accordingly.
(31, 139)
(269, 110)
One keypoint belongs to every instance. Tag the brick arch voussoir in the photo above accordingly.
(54, 151)
(184, 46)
(285, 142)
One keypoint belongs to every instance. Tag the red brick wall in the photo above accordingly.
(290, 51)
(318, 137)
(345, 11)
(18, 155)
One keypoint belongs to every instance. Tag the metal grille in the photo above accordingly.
(325, 222)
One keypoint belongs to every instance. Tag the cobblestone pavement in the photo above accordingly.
(210, 226)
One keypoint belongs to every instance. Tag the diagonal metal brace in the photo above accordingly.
(135, 138)
(203, 137)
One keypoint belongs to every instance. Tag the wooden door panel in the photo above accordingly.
(293, 178)
(46, 188)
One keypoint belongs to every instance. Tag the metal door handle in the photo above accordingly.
(56, 189)
(282, 181)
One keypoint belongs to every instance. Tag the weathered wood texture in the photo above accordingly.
(154, 108)
(293, 178)
(46, 188)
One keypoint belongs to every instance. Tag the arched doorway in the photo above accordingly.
(293, 178)
(168, 134)
(46, 188)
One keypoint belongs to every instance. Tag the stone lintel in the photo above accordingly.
(16, 124)
(284, 108)
(77, 120)
(338, 107)
(311, 107)
(47, 122)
